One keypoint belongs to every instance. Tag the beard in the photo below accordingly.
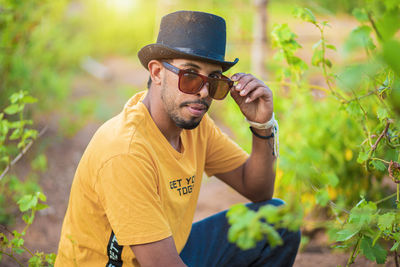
(185, 124)
(173, 109)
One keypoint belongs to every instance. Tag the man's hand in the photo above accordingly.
(253, 97)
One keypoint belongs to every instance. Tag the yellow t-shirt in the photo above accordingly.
(132, 187)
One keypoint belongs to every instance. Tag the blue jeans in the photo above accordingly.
(208, 245)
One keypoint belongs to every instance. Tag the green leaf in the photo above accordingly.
(17, 242)
(333, 180)
(16, 96)
(28, 218)
(27, 202)
(388, 24)
(50, 258)
(330, 46)
(16, 134)
(317, 57)
(322, 197)
(29, 133)
(395, 246)
(328, 63)
(12, 109)
(391, 55)
(35, 261)
(29, 99)
(386, 221)
(41, 206)
(373, 253)
(39, 163)
(379, 165)
(360, 14)
(348, 232)
(41, 196)
(382, 113)
(305, 14)
(362, 157)
(360, 37)
(3, 238)
(19, 251)
(317, 44)
(354, 109)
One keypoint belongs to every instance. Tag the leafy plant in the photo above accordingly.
(15, 139)
(339, 140)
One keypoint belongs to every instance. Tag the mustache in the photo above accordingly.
(202, 102)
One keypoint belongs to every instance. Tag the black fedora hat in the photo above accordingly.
(192, 35)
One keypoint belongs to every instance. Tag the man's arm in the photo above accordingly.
(256, 177)
(159, 253)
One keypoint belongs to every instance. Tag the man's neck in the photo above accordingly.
(164, 123)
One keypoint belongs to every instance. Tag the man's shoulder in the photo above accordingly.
(119, 134)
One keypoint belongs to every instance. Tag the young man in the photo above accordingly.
(135, 190)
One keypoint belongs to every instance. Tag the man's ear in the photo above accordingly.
(155, 69)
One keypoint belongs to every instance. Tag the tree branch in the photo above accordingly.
(23, 152)
(374, 146)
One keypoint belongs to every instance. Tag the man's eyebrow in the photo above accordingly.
(190, 64)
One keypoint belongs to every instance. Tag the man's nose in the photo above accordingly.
(203, 93)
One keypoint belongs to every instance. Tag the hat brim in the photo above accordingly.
(160, 51)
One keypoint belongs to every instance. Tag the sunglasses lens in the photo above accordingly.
(190, 83)
(218, 88)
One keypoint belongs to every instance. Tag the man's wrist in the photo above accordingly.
(262, 132)
(267, 125)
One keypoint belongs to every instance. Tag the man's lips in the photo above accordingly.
(197, 109)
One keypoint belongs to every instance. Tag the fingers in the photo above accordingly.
(257, 93)
(249, 87)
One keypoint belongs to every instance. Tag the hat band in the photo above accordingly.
(200, 53)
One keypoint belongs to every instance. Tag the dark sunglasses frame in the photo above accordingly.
(205, 80)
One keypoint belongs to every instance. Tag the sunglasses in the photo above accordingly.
(191, 82)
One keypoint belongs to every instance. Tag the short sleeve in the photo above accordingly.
(127, 188)
(222, 155)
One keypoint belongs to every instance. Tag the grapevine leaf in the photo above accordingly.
(373, 253)
(378, 165)
(382, 113)
(385, 221)
(354, 109)
(347, 233)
